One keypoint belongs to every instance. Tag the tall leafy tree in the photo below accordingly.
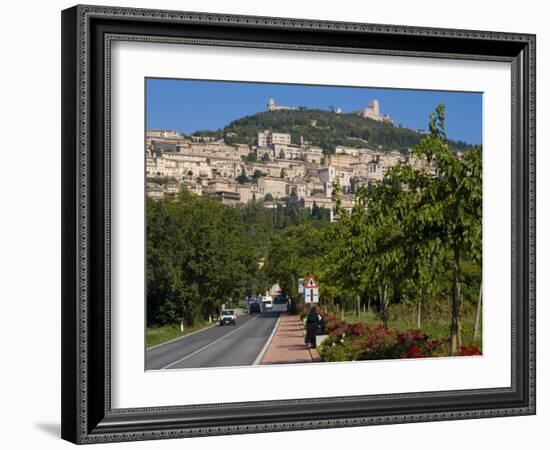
(447, 205)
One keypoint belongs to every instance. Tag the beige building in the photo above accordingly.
(313, 155)
(293, 171)
(155, 191)
(341, 160)
(249, 192)
(224, 191)
(319, 200)
(228, 198)
(261, 153)
(287, 151)
(351, 151)
(268, 138)
(297, 187)
(194, 188)
(270, 169)
(375, 171)
(277, 187)
(162, 134)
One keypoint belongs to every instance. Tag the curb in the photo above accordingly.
(262, 353)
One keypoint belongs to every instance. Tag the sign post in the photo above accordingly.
(311, 290)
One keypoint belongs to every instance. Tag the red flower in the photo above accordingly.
(469, 351)
(415, 352)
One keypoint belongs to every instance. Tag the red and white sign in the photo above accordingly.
(311, 290)
(311, 283)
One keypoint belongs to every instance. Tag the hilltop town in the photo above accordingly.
(272, 168)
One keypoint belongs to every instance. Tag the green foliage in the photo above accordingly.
(257, 174)
(406, 235)
(294, 253)
(242, 179)
(331, 130)
(251, 157)
(201, 254)
(161, 180)
(198, 256)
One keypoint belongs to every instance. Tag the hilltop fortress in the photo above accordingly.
(372, 111)
(272, 107)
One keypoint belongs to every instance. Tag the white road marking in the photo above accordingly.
(258, 359)
(209, 345)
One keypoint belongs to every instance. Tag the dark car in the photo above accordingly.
(254, 307)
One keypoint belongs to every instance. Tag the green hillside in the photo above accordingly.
(322, 128)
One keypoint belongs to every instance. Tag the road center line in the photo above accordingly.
(209, 345)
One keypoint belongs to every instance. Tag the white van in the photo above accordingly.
(267, 303)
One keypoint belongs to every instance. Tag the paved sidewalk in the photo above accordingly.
(288, 345)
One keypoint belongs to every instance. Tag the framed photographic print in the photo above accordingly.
(281, 224)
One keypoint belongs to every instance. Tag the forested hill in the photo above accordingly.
(323, 128)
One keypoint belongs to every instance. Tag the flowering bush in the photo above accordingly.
(360, 341)
(469, 351)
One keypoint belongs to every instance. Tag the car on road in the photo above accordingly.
(228, 317)
(268, 305)
(254, 307)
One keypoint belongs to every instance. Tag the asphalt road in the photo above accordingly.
(219, 346)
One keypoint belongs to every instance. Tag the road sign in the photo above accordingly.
(301, 286)
(311, 290)
(311, 295)
(311, 283)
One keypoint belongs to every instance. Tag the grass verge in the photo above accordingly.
(159, 334)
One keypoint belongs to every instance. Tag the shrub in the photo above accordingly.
(359, 341)
(472, 350)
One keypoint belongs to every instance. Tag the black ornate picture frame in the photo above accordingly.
(87, 35)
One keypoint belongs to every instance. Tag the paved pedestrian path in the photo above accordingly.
(287, 345)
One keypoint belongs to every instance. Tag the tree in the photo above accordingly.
(447, 208)
(242, 179)
(294, 253)
(257, 174)
(199, 254)
(251, 157)
(405, 231)
(368, 255)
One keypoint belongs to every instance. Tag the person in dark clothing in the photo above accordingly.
(313, 325)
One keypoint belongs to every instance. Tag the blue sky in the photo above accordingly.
(191, 105)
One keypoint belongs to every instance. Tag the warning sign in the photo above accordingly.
(311, 290)
(311, 283)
